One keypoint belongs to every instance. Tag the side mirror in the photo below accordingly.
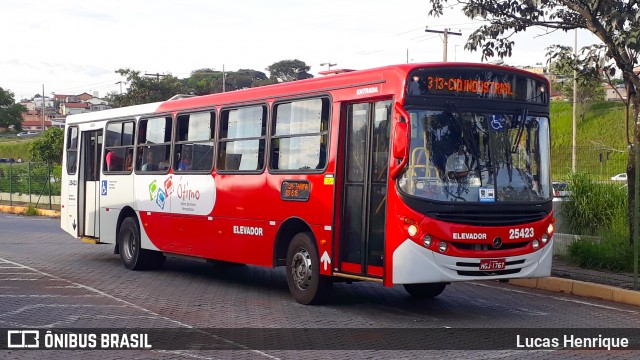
(400, 135)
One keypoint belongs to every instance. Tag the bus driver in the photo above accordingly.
(457, 165)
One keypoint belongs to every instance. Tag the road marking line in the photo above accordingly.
(177, 322)
(16, 279)
(48, 296)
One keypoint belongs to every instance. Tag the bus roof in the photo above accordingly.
(390, 74)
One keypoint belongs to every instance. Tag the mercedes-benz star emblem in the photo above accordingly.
(497, 242)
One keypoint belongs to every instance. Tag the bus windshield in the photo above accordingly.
(477, 156)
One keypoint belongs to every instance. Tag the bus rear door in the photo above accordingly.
(90, 188)
(364, 192)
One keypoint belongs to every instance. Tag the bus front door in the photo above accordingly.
(364, 192)
(89, 188)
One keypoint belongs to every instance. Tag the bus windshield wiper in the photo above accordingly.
(523, 116)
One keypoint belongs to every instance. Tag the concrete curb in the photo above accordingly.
(581, 288)
(23, 209)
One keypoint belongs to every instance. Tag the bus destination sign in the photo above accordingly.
(468, 85)
(477, 83)
(295, 190)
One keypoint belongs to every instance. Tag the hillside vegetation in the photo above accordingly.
(601, 132)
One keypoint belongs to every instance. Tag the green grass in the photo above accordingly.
(602, 131)
(31, 211)
(598, 210)
(13, 148)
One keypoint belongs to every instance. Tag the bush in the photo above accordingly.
(599, 210)
(608, 250)
(594, 206)
(31, 210)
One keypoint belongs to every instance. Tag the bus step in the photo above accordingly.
(357, 277)
(90, 240)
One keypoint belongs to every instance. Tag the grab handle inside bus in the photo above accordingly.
(400, 147)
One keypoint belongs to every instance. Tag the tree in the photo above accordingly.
(48, 147)
(143, 89)
(10, 112)
(204, 81)
(616, 23)
(289, 70)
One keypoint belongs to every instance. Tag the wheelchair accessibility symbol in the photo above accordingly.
(496, 122)
(104, 188)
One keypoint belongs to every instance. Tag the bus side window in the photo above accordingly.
(118, 144)
(72, 149)
(154, 144)
(300, 135)
(194, 141)
(242, 139)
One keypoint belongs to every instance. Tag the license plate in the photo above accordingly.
(493, 264)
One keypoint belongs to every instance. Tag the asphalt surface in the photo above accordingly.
(49, 280)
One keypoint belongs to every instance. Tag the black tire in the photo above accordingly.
(132, 255)
(425, 291)
(303, 271)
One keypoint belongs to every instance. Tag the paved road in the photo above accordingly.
(50, 280)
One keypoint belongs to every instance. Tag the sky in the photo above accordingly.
(73, 46)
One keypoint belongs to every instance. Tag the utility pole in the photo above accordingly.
(328, 64)
(120, 82)
(575, 103)
(445, 39)
(224, 80)
(157, 75)
(43, 107)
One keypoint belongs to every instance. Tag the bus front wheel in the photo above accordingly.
(425, 291)
(133, 256)
(303, 271)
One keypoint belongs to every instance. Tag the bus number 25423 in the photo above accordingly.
(524, 233)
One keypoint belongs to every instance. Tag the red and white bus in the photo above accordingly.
(416, 174)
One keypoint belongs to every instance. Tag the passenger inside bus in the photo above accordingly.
(165, 164)
(185, 163)
(128, 161)
(113, 161)
(149, 165)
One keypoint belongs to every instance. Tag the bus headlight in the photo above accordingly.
(545, 238)
(427, 240)
(535, 244)
(550, 229)
(412, 230)
(442, 246)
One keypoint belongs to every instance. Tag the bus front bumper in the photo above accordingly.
(414, 264)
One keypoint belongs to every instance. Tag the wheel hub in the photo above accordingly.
(129, 245)
(301, 269)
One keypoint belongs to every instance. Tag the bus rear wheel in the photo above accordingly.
(133, 256)
(425, 291)
(303, 271)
